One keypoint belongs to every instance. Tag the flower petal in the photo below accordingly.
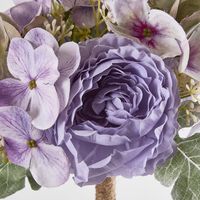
(63, 90)
(24, 13)
(39, 36)
(46, 65)
(84, 16)
(20, 1)
(18, 152)
(193, 68)
(189, 131)
(20, 59)
(15, 123)
(14, 93)
(49, 165)
(128, 10)
(170, 28)
(44, 107)
(69, 58)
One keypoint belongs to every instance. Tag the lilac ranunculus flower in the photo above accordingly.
(25, 146)
(38, 87)
(121, 118)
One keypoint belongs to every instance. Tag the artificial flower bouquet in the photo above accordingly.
(99, 89)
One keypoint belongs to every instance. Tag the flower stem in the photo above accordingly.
(106, 190)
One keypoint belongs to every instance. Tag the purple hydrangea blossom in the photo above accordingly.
(154, 28)
(68, 60)
(39, 88)
(35, 72)
(25, 146)
(121, 118)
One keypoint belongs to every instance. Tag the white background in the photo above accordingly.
(139, 188)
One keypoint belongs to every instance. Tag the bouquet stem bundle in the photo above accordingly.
(106, 190)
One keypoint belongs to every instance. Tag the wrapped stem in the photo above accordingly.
(106, 190)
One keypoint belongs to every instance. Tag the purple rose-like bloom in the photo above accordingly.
(122, 112)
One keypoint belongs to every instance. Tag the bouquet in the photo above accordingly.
(99, 89)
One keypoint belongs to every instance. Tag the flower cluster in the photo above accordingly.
(96, 88)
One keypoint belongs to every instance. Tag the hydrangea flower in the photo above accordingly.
(25, 146)
(122, 113)
(35, 72)
(153, 28)
(68, 60)
(39, 88)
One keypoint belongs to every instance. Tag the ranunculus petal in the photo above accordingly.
(102, 139)
(170, 28)
(15, 123)
(69, 58)
(18, 152)
(49, 165)
(14, 93)
(46, 65)
(24, 13)
(189, 131)
(39, 36)
(20, 59)
(63, 90)
(44, 107)
(128, 10)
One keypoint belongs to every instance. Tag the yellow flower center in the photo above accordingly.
(147, 32)
(32, 84)
(32, 143)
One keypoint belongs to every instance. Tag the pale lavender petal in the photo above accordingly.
(193, 68)
(63, 90)
(14, 93)
(21, 1)
(39, 36)
(68, 4)
(24, 13)
(166, 47)
(36, 134)
(84, 16)
(44, 107)
(127, 11)
(20, 59)
(69, 58)
(189, 131)
(170, 28)
(18, 152)
(46, 65)
(49, 165)
(15, 123)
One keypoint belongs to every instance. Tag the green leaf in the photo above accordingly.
(165, 5)
(12, 179)
(191, 21)
(183, 170)
(34, 185)
(187, 8)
